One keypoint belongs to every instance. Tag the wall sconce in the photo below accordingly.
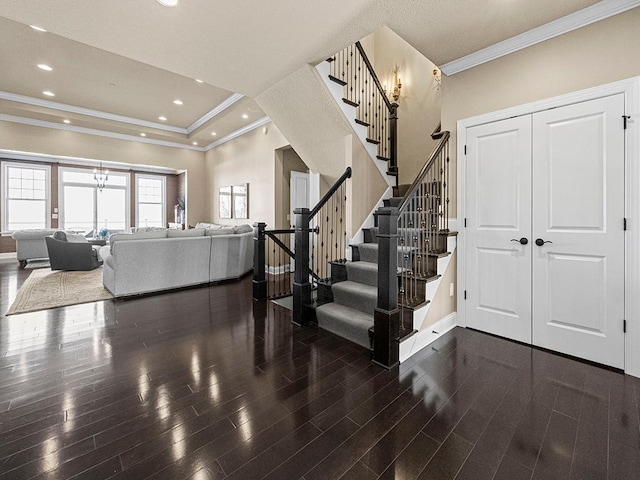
(100, 176)
(437, 76)
(397, 84)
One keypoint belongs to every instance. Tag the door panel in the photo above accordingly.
(499, 210)
(578, 205)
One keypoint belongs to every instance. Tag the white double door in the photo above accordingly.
(545, 233)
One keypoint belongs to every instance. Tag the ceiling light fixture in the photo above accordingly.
(66, 121)
(245, 116)
(168, 3)
(162, 118)
(213, 133)
(178, 102)
(48, 93)
(195, 143)
(39, 29)
(44, 67)
(199, 81)
(143, 134)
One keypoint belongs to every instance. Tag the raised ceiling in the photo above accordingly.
(132, 59)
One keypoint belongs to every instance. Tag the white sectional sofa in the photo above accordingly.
(158, 260)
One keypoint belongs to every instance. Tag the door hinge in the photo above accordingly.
(625, 223)
(625, 119)
(465, 294)
(465, 147)
(465, 222)
(624, 326)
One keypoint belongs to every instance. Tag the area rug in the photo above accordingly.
(49, 289)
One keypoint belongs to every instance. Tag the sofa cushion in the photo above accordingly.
(219, 231)
(120, 237)
(211, 226)
(193, 232)
(147, 229)
(242, 228)
(32, 234)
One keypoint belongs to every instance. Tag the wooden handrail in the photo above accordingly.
(423, 173)
(373, 74)
(332, 190)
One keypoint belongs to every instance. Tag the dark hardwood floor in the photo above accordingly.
(204, 384)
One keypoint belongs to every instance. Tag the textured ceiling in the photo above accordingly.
(153, 54)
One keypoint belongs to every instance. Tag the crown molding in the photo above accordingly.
(62, 107)
(91, 131)
(237, 133)
(581, 18)
(82, 161)
(215, 111)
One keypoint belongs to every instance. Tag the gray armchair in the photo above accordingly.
(71, 252)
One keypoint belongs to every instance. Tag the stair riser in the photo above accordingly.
(343, 328)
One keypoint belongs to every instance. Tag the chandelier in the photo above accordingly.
(100, 176)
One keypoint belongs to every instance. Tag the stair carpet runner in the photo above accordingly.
(353, 296)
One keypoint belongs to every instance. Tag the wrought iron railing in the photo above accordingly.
(411, 237)
(320, 238)
(352, 68)
(423, 225)
(273, 258)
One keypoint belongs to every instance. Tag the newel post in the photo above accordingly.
(393, 139)
(259, 276)
(301, 285)
(386, 318)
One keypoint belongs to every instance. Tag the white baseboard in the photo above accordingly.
(422, 339)
(8, 256)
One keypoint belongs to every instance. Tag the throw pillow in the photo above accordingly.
(243, 228)
(194, 232)
(60, 235)
(219, 231)
(76, 238)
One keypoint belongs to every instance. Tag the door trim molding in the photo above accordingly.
(631, 90)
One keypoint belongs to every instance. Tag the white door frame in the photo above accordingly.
(631, 90)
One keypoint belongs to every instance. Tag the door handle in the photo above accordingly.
(540, 242)
(522, 241)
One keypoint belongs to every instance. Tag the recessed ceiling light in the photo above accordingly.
(48, 93)
(199, 81)
(244, 115)
(213, 133)
(195, 143)
(143, 134)
(66, 121)
(168, 3)
(178, 102)
(164, 119)
(35, 27)
(44, 67)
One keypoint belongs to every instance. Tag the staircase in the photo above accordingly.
(346, 304)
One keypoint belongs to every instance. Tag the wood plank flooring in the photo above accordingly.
(205, 384)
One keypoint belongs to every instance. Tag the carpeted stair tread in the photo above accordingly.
(356, 295)
(346, 322)
(363, 272)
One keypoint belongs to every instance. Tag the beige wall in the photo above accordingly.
(250, 159)
(594, 55)
(32, 139)
(286, 161)
(419, 102)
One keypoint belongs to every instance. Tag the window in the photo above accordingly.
(150, 201)
(25, 196)
(85, 208)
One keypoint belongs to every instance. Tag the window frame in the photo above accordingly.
(150, 176)
(4, 191)
(94, 186)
